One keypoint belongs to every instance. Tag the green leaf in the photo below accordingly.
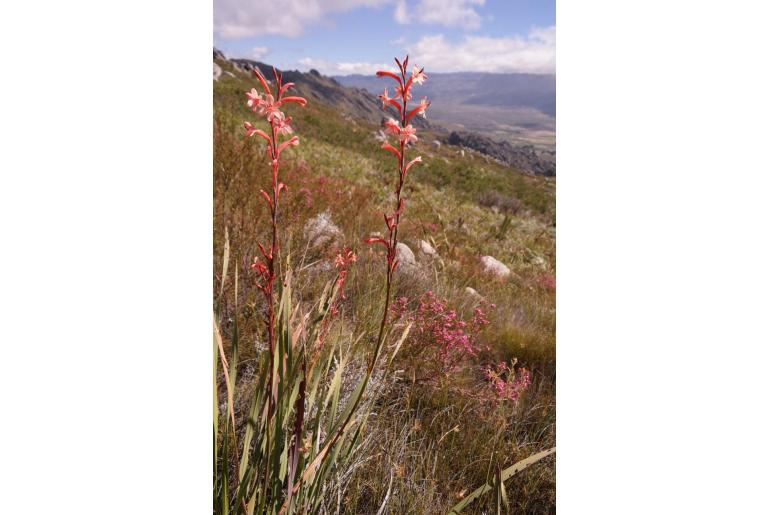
(504, 476)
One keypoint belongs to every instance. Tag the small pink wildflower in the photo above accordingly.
(441, 330)
(507, 383)
(547, 282)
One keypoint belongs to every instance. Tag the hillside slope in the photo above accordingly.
(426, 437)
(532, 154)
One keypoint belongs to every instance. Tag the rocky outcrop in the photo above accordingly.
(321, 232)
(494, 267)
(525, 157)
(217, 71)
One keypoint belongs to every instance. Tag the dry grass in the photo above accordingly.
(426, 444)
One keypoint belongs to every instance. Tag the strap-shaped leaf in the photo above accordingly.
(505, 475)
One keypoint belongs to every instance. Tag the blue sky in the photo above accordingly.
(339, 37)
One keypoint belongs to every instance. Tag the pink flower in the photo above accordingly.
(282, 125)
(423, 106)
(345, 258)
(420, 109)
(440, 330)
(408, 134)
(507, 382)
(386, 99)
(392, 126)
(406, 94)
(269, 108)
(418, 76)
(254, 99)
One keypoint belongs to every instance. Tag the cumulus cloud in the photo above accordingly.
(535, 53)
(238, 19)
(258, 52)
(331, 68)
(450, 13)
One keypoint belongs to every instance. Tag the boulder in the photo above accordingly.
(320, 231)
(426, 249)
(436, 143)
(470, 292)
(407, 264)
(405, 255)
(494, 267)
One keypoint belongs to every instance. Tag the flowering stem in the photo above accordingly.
(269, 107)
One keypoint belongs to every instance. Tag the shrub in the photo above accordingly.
(440, 337)
(505, 203)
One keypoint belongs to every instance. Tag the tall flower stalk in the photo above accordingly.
(269, 106)
(405, 134)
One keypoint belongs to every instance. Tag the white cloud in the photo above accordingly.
(330, 68)
(450, 13)
(258, 52)
(238, 19)
(535, 53)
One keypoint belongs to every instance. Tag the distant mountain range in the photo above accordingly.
(510, 125)
(514, 107)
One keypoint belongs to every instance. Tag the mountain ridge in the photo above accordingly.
(360, 103)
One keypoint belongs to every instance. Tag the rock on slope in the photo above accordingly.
(536, 161)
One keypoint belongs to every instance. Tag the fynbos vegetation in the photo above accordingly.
(351, 375)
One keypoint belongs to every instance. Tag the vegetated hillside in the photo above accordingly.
(433, 436)
(531, 154)
(516, 107)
